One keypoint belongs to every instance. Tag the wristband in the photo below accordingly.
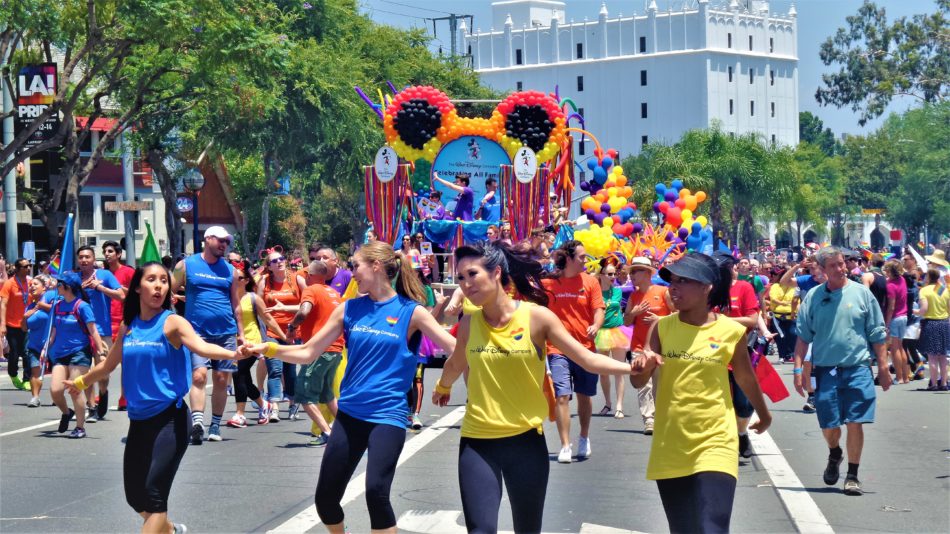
(271, 349)
(797, 370)
(80, 383)
(442, 390)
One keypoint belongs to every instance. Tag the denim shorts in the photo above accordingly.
(844, 395)
(898, 327)
(81, 358)
(571, 378)
(34, 357)
(226, 366)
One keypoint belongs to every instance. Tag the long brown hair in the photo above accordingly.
(397, 267)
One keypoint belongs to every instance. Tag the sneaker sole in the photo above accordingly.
(853, 492)
(196, 438)
(214, 437)
(560, 461)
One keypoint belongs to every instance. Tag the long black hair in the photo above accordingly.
(516, 267)
(719, 296)
(133, 306)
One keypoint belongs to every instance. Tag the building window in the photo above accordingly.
(730, 74)
(773, 109)
(643, 77)
(518, 86)
(773, 140)
(469, 49)
(133, 216)
(643, 110)
(580, 83)
(110, 219)
(751, 75)
(728, 40)
(580, 50)
(580, 149)
(644, 140)
(87, 210)
(771, 77)
(752, 108)
(731, 107)
(643, 45)
(519, 57)
(771, 45)
(750, 42)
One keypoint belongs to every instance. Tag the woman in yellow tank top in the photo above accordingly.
(695, 453)
(502, 344)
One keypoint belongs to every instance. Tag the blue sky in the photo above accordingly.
(818, 20)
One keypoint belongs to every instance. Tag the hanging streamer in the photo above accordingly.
(385, 201)
(527, 205)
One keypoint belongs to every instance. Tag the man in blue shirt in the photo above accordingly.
(490, 204)
(841, 318)
(102, 287)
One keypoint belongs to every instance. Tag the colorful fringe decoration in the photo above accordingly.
(385, 201)
(527, 206)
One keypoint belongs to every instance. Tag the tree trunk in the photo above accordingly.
(156, 159)
(271, 171)
(715, 213)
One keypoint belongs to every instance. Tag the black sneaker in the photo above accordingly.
(852, 486)
(809, 406)
(197, 433)
(832, 471)
(745, 446)
(103, 405)
(64, 421)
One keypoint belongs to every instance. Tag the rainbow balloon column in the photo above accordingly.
(385, 201)
(678, 205)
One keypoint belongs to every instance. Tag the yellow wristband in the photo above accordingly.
(80, 383)
(442, 390)
(271, 349)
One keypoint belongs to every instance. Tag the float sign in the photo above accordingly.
(36, 89)
(477, 157)
(387, 163)
(525, 164)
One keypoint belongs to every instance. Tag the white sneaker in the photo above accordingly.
(274, 412)
(583, 447)
(564, 457)
(34, 403)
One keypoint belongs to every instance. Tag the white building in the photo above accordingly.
(649, 77)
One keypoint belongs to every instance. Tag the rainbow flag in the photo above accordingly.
(54, 266)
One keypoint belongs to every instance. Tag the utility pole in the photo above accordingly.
(128, 191)
(453, 29)
(9, 181)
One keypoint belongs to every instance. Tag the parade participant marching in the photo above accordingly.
(281, 294)
(934, 329)
(213, 308)
(502, 343)
(36, 323)
(156, 375)
(14, 298)
(382, 331)
(610, 341)
(102, 288)
(73, 339)
(694, 457)
(112, 252)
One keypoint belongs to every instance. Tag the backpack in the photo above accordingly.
(75, 313)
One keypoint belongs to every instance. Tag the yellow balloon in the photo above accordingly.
(617, 170)
(702, 220)
(687, 214)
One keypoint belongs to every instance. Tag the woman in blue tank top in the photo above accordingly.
(382, 331)
(156, 376)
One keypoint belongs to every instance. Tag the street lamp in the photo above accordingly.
(194, 181)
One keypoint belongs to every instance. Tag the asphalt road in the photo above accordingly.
(263, 478)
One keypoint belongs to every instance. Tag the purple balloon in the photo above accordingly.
(656, 207)
(585, 186)
(605, 207)
(670, 196)
(637, 228)
(670, 236)
(590, 213)
(682, 233)
(599, 218)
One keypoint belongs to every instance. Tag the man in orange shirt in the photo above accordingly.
(647, 304)
(576, 298)
(14, 297)
(315, 381)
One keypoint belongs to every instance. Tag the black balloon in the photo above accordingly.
(417, 122)
(529, 124)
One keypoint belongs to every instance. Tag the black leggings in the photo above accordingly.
(153, 450)
(244, 387)
(913, 356)
(349, 439)
(701, 502)
(522, 461)
(17, 340)
(414, 397)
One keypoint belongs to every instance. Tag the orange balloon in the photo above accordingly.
(691, 203)
(621, 180)
(684, 193)
(700, 196)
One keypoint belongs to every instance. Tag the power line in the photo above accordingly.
(414, 17)
(416, 7)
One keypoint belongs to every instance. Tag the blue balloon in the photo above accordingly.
(607, 162)
(600, 175)
(660, 189)
(677, 184)
(591, 163)
(696, 228)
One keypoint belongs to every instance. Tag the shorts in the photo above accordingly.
(844, 395)
(34, 357)
(740, 401)
(898, 327)
(81, 358)
(225, 366)
(571, 378)
(315, 381)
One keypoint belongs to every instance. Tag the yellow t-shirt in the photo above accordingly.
(938, 301)
(695, 426)
(778, 293)
(252, 334)
(467, 307)
(506, 373)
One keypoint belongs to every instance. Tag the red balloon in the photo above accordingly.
(618, 228)
(664, 208)
(616, 218)
(680, 203)
(628, 229)
(631, 205)
(674, 216)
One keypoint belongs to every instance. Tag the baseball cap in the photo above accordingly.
(641, 262)
(218, 232)
(70, 279)
(692, 266)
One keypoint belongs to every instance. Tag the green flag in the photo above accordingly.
(150, 249)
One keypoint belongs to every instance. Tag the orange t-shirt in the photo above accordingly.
(285, 293)
(574, 300)
(14, 292)
(324, 300)
(656, 296)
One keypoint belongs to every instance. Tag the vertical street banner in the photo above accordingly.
(36, 90)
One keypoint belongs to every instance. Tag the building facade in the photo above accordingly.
(650, 77)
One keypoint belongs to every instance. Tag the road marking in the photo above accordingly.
(27, 429)
(801, 508)
(447, 522)
(307, 518)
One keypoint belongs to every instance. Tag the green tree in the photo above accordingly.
(878, 61)
(812, 130)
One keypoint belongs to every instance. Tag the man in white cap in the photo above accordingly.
(213, 308)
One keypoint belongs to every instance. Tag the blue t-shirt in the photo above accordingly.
(491, 210)
(101, 303)
(155, 374)
(71, 337)
(806, 283)
(38, 323)
(381, 359)
(840, 325)
(464, 203)
(208, 297)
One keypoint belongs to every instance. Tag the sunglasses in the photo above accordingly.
(277, 260)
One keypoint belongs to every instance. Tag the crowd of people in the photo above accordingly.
(534, 327)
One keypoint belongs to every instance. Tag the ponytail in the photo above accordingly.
(719, 296)
(398, 269)
(517, 268)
